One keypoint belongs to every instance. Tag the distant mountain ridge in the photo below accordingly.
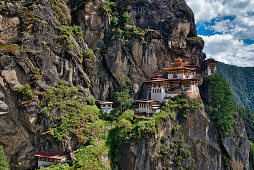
(241, 80)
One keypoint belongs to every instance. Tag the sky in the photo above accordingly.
(227, 27)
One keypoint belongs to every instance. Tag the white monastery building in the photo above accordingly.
(106, 106)
(49, 158)
(180, 78)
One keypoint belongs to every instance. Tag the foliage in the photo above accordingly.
(26, 92)
(221, 107)
(251, 156)
(36, 74)
(128, 115)
(55, 4)
(181, 104)
(65, 41)
(63, 166)
(92, 157)
(241, 80)
(248, 119)
(120, 29)
(128, 129)
(90, 54)
(69, 30)
(123, 96)
(181, 154)
(65, 32)
(3, 159)
(62, 104)
(108, 6)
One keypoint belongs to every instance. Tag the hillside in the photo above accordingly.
(241, 80)
(57, 57)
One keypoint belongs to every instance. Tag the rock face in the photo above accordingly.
(32, 51)
(201, 139)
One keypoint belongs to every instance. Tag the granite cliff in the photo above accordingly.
(89, 43)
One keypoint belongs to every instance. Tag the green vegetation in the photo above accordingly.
(248, 119)
(3, 159)
(93, 157)
(90, 54)
(65, 41)
(181, 154)
(69, 30)
(194, 40)
(251, 156)
(57, 7)
(221, 106)
(64, 35)
(120, 29)
(27, 94)
(131, 128)
(123, 95)
(63, 105)
(36, 74)
(241, 80)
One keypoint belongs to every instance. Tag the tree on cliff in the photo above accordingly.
(122, 96)
(3, 159)
(221, 104)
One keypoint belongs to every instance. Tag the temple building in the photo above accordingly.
(106, 106)
(148, 107)
(181, 78)
(210, 65)
(49, 158)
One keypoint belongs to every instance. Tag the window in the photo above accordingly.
(174, 75)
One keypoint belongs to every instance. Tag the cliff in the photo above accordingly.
(90, 43)
(195, 145)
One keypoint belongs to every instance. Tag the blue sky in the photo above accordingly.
(227, 27)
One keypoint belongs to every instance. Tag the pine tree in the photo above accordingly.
(3, 159)
(221, 107)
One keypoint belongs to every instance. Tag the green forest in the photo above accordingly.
(241, 80)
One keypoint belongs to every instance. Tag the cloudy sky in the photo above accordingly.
(227, 27)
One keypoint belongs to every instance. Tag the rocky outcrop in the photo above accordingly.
(169, 32)
(33, 51)
(208, 150)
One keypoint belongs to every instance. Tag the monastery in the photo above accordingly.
(180, 78)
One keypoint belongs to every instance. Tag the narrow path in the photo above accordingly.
(98, 141)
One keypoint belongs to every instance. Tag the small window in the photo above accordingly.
(174, 75)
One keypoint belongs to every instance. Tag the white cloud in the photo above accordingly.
(227, 49)
(206, 10)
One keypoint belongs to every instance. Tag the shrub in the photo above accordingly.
(26, 92)
(221, 107)
(3, 159)
(36, 74)
(62, 104)
(58, 10)
(90, 54)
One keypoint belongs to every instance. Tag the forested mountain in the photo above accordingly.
(59, 57)
(241, 80)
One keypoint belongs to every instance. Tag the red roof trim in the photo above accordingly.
(53, 155)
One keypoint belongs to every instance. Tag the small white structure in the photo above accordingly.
(147, 107)
(49, 158)
(210, 66)
(106, 106)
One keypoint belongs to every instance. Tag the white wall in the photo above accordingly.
(157, 96)
(44, 163)
(107, 108)
(209, 71)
